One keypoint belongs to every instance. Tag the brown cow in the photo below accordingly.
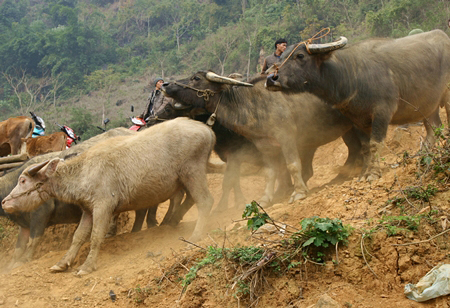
(12, 131)
(45, 144)
(121, 174)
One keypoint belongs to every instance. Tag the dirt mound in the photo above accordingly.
(148, 267)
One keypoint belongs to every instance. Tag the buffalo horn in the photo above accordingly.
(322, 48)
(221, 79)
(33, 170)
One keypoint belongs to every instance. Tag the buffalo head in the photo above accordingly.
(30, 192)
(299, 66)
(201, 89)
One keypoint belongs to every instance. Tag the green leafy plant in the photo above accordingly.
(255, 219)
(399, 224)
(420, 193)
(322, 232)
(213, 255)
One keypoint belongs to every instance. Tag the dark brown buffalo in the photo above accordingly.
(45, 144)
(280, 126)
(374, 83)
(12, 131)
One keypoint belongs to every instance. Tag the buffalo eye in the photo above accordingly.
(300, 56)
(22, 181)
(196, 78)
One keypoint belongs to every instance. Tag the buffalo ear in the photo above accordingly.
(51, 167)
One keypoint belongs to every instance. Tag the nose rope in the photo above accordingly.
(306, 43)
(37, 187)
(206, 94)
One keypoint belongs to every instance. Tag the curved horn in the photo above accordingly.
(35, 169)
(221, 79)
(322, 48)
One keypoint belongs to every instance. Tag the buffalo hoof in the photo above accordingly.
(16, 265)
(82, 273)
(84, 270)
(264, 202)
(56, 268)
(298, 196)
(369, 177)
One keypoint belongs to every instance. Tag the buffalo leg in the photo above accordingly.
(174, 208)
(271, 177)
(151, 216)
(355, 160)
(285, 187)
(445, 102)
(294, 166)
(379, 130)
(179, 212)
(21, 246)
(195, 182)
(352, 140)
(306, 157)
(431, 123)
(139, 220)
(80, 236)
(100, 218)
(231, 180)
(39, 220)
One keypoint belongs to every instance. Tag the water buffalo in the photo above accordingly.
(233, 149)
(374, 83)
(52, 212)
(12, 131)
(32, 224)
(121, 174)
(277, 124)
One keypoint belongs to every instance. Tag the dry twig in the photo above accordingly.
(424, 241)
(362, 251)
(193, 244)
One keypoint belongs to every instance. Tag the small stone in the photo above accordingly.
(404, 263)
(416, 259)
(325, 301)
(78, 298)
(112, 296)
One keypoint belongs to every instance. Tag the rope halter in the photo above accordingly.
(206, 94)
(36, 187)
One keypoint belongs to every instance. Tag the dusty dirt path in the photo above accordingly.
(129, 262)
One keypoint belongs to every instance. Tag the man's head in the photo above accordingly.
(158, 83)
(280, 46)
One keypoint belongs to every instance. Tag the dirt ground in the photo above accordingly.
(136, 266)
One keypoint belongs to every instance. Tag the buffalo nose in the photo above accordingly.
(271, 80)
(273, 77)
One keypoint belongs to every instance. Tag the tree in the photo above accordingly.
(28, 90)
(221, 44)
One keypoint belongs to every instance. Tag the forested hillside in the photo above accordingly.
(53, 52)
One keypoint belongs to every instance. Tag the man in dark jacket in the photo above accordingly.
(280, 47)
(156, 100)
